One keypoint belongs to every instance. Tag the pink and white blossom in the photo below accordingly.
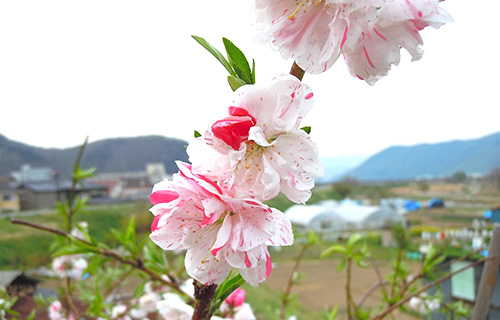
(259, 150)
(423, 304)
(172, 307)
(120, 312)
(236, 298)
(244, 312)
(218, 231)
(234, 307)
(368, 33)
(397, 26)
(56, 312)
(71, 266)
(313, 32)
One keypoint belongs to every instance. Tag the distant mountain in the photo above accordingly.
(336, 167)
(110, 155)
(432, 160)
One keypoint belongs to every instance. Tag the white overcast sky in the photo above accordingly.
(119, 68)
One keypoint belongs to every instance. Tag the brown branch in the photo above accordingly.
(204, 296)
(138, 264)
(398, 264)
(69, 300)
(421, 274)
(370, 291)
(379, 276)
(348, 288)
(288, 289)
(428, 286)
(297, 71)
(74, 182)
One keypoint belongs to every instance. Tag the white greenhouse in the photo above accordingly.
(330, 216)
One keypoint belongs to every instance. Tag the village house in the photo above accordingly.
(9, 197)
(131, 185)
(45, 194)
(36, 188)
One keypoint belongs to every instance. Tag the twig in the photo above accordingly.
(348, 288)
(297, 71)
(370, 291)
(69, 221)
(138, 264)
(69, 300)
(74, 181)
(397, 267)
(428, 286)
(421, 274)
(288, 289)
(204, 296)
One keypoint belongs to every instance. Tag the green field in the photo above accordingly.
(24, 248)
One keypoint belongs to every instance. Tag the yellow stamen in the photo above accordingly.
(297, 9)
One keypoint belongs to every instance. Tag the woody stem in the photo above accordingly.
(297, 71)
(204, 296)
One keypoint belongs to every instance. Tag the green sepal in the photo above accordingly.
(197, 134)
(235, 83)
(306, 129)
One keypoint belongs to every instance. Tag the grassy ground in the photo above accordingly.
(23, 247)
(322, 288)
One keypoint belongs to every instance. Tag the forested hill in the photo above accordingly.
(110, 155)
(477, 156)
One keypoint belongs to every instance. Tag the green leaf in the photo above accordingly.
(225, 289)
(312, 238)
(215, 53)
(359, 262)
(352, 240)
(119, 236)
(341, 266)
(70, 250)
(139, 290)
(333, 314)
(83, 174)
(238, 61)
(94, 263)
(197, 134)
(86, 236)
(80, 203)
(123, 240)
(253, 70)
(235, 83)
(130, 235)
(32, 315)
(306, 129)
(337, 248)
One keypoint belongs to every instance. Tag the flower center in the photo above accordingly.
(253, 151)
(302, 5)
